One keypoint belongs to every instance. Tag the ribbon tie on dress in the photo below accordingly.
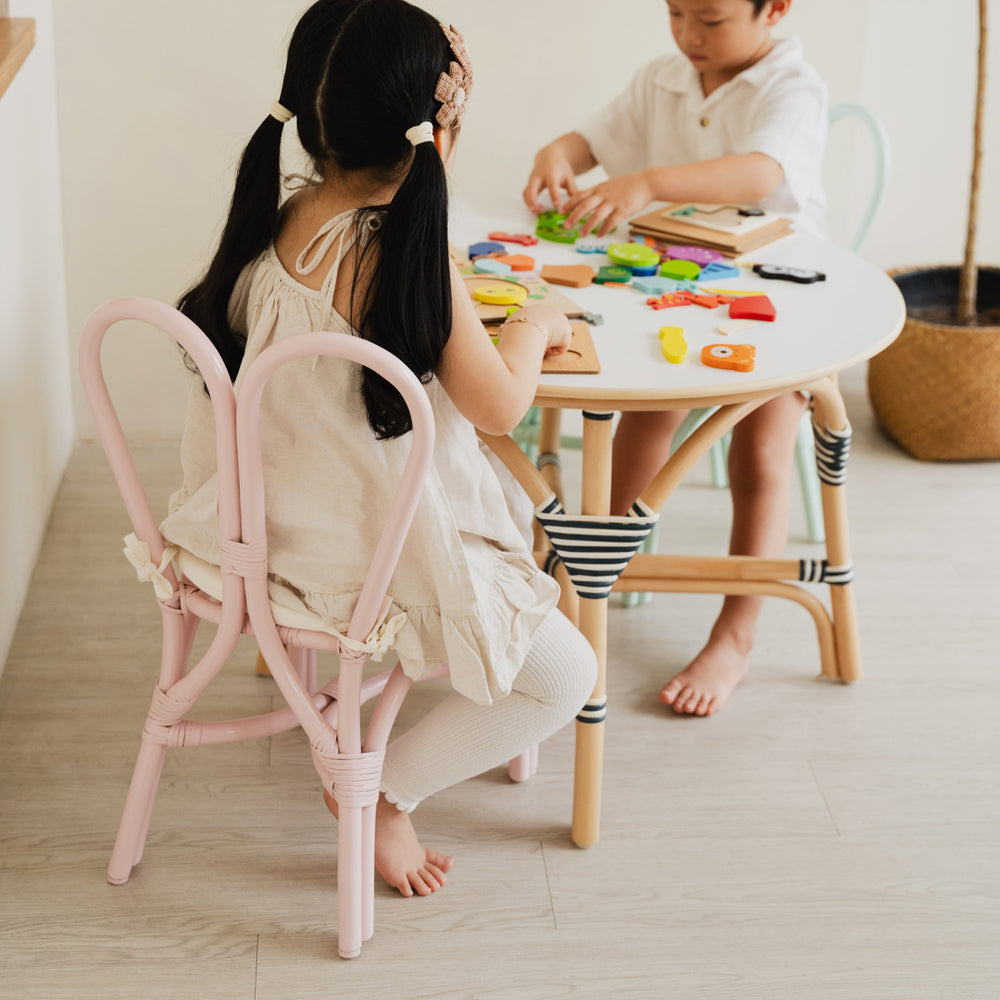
(137, 553)
(379, 639)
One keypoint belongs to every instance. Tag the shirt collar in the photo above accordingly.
(679, 76)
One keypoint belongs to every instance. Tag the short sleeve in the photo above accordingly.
(789, 124)
(617, 134)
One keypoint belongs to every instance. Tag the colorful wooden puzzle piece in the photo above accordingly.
(672, 344)
(525, 239)
(655, 285)
(633, 255)
(738, 358)
(613, 275)
(718, 269)
(593, 246)
(671, 300)
(680, 270)
(574, 275)
(753, 307)
(734, 326)
(517, 261)
(490, 265)
(700, 255)
(549, 226)
(505, 294)
(485, 249)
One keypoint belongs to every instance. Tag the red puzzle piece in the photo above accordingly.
(525, 239)
(753, 307)
(670, 300)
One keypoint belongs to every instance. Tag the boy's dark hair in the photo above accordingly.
(359, 73)
(758, 6)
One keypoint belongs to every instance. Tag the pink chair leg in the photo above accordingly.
(524, 766)
(135, 816)
(367, 872)
(349, 881)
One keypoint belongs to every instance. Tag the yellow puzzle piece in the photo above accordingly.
(507, 294)
(673, 344)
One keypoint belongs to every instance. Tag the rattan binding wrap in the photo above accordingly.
(936, 389)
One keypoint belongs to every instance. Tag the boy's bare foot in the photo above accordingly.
(399, 858)
(706, 683)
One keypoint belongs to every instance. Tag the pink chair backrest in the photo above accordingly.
(237, 427)
(408, 491)
(220, 389)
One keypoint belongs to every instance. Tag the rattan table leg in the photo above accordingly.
(595, 501)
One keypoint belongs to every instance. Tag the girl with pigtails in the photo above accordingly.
(377, 90)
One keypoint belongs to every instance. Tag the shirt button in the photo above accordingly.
(703, 121)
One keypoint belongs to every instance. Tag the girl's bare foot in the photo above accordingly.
(706, 683)
(399, 858)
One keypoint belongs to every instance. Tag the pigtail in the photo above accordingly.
(408, 307)
(250, 226)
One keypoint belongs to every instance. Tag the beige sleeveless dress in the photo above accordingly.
(470, 591)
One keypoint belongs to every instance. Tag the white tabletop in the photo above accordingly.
(820, 328)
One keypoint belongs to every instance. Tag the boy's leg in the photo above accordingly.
(760, 471)
(641, 446)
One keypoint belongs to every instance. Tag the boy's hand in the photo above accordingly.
(608, 203)
(552, 172)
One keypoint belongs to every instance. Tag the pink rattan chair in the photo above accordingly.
(349, 763)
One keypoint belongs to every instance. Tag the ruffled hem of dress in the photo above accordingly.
(481, 668)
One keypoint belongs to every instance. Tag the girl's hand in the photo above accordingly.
(554, 323)
(608, 204)
(552, 172)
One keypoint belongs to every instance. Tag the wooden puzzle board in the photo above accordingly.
(580, 357)
(538, 291)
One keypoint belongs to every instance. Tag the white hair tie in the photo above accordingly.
(424, 132)
(281, 113)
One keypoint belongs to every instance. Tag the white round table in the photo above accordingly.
(820, 329)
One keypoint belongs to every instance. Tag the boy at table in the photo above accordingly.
(735, 117)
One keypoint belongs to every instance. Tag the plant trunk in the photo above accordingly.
(967, 286)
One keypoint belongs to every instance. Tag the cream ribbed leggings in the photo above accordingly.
(459, 739)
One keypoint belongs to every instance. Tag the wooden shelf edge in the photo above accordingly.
(17, 38)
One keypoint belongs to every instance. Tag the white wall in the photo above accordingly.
(156, 101)
(36, 424)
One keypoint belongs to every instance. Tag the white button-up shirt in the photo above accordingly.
(778, 106)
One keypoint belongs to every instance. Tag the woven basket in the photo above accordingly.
(936, 389)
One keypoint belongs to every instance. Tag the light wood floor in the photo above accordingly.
(812, 842)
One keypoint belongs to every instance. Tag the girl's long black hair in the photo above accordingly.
(359, 73)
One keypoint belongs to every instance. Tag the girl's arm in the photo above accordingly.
(494, 386)
(743, 177)
(556, 168)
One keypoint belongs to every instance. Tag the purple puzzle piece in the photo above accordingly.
(700, 255)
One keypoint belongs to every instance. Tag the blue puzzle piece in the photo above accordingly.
(485, 249)
(655, 285)
(717, 269)
(490, 265)
(593, 246)
(644, 272)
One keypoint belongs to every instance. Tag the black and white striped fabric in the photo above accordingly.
(595, 550)
(820, 571)
(832, 451)
(595, 710)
